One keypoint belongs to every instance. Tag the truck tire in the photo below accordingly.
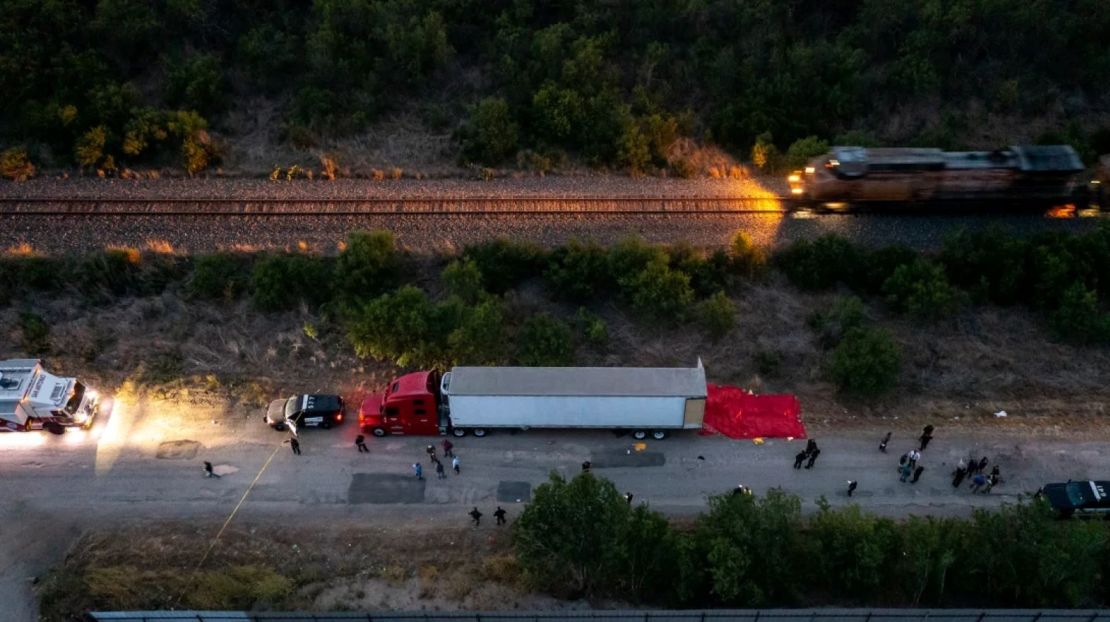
(479, 432)
(54, 428)
(639, 434)
(378, 432)
(659, 434)
(458, 432)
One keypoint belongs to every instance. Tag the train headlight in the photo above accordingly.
(810, 170)
(796, 191)
(795, 178)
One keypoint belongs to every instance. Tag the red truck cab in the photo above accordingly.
(408, 406)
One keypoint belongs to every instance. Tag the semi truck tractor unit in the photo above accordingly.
(31, 399)
(643, 401)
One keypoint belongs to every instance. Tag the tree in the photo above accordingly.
(89, 149)
(748, 260)
(218, 276)
(801, 150)
(15, 165)
(368, 265)
(281, 282)
(464, 280)
(718, 315)
(197, 83)
(764, 154)
(657, 292)
(402, 326)
(1079, 319)
(480, 337)
(922, 290)
(490, 134)
(866, 362)
(578, 271)
(544, 341)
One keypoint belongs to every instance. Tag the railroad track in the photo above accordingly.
(415, 206)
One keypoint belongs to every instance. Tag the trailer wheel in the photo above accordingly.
(54, 428)
(659, 434)
(479, 432)
(639, 435)
(378, 432)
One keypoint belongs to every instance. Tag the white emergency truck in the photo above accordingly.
(32, 399)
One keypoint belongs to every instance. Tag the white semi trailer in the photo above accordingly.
(646, 401)
(31, 399)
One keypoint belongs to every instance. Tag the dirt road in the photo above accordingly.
(145, 465)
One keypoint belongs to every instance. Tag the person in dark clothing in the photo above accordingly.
(586, 466)
(972, 464)
(208, 472)
(799, 459)
(431, 451)
(499, 514)
(295, 445)
(628, 497)
(982, 465)
(959, 475)
(439, 470)
(448, 446)
(925, 438)
(917, 474)
(852, 484)
(811, 446)
(883, 443)
(977, 482)
(477, 516)
(813, 458)
(360, 443)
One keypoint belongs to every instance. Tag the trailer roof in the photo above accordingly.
(15, 378)
(580, 381)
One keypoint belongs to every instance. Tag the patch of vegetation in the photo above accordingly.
(544, 341)
(220, 276)
(866, 362)
(35, 334)
(283, 282)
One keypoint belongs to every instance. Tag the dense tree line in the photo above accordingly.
(580, 537)
(104, 83)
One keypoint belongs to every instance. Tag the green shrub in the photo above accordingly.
(114, 272)
(282, 282)
(717, 315)
(505, 264)
(220, 276)
(16, 165)
(238, 588)
(463, 279)
(197, 84)
(992, 265)
(748, 260)
(844, 315)
(765, 155)
(35, 332)
(801, 150)
(490, 135)
(631, 256)
(879, 265)
(768, 363)
(402, 326)
(1079, 319)
(866, 362)
(707, 274)
(657, 292)
(822, 263)
(579, 271)
(480, 336)
(855, 551)
(593, 328)
(368, 265)
(89, 149)
(544, 341)
(922, 290)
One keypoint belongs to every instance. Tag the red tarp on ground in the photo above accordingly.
(734, 412)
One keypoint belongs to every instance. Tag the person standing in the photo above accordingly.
(419, 470)
(360, 443)
(852, 486)
(917, 471)
(499, 514)
(982, 465)
(813, 458)
(208, 471)
(477, 516)
(926, 436)
(295, 445)
(961, 472)
(799, 459)
(628, 498)
(455, 464)
(431, 451)
(914, 457)
(439, 470)
(811, 446)
(906, 470)
(586, 466)
(883, 443)
(448, 446)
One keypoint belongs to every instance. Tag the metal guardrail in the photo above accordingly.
(709, 615)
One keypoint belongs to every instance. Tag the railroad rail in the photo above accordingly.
(414, 206)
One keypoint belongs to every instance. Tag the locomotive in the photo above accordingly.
(1034, 176)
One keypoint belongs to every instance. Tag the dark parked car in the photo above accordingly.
(1078, 498)
(305, 410)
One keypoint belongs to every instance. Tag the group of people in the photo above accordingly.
(808, 455)
(908, 467)
(448, 452)
(975, 470)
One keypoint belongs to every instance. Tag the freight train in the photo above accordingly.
(1039, 176)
